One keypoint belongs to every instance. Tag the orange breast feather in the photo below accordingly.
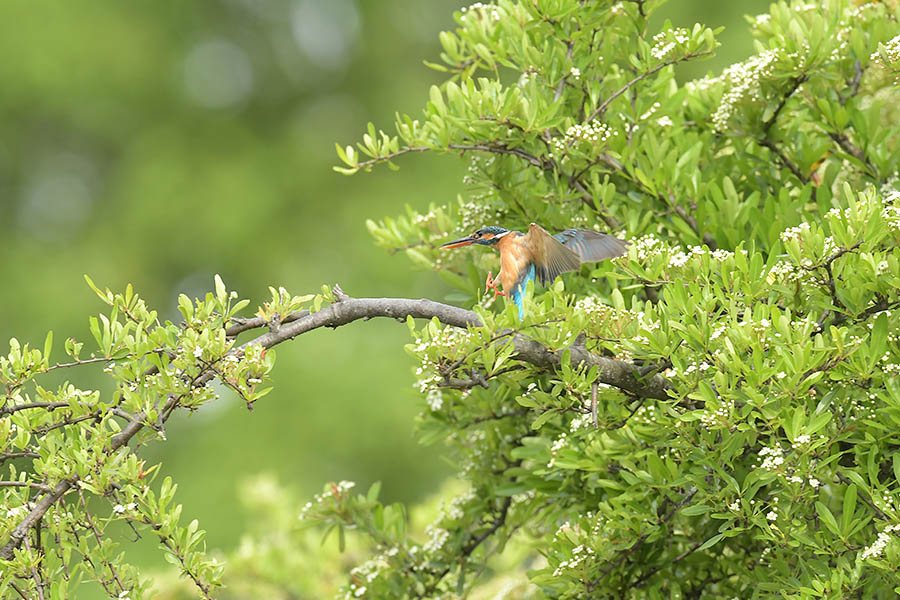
(513, 259)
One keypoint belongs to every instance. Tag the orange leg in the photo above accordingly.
(491, 283)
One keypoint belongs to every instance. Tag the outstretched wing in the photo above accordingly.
(549, 255)
(591, 246)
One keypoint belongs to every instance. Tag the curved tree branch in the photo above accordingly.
(616, 373)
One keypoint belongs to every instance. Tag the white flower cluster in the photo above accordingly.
(579, 554)
(437, 537)
(581, 422)
(474, 214)
(575, 73)
(425, 219)
(771, 458)
(531, 387)
(813, 482)
(702, 84)
(891, 215)
(800, 441)
(455, 511)
(864, 408)
(646, 415)
(890, 189)
(743, 79)
(18, 511)
(772, 515)
(692, 367)
(558, 445)
(475, 442)
(681, 258)
(648, 246)
(445, 340)
(371, 569)
(435, 399)
(482, 10)
(650, 111)
(593, 308)
(342, 487)
(593, 132)
(646, 325)
(355, 591)
(794, 233)
(712, 418)
(892, 49)
(663, 48)
(476, 164)
(788, 271)
(878, 546)
(121, 509)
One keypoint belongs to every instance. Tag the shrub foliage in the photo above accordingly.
(714, 415)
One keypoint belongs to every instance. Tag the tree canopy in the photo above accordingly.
(713, 415)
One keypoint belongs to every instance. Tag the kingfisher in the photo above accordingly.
(524, 256)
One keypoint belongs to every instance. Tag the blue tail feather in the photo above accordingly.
(518, 291)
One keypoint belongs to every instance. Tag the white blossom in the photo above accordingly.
(435, 399)
(771, 458)
(878, 546)
(437, 538)
(743, 80)
(662, 47)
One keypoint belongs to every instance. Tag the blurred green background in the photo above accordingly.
(158, 143)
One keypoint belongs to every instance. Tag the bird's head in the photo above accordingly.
(486, 236)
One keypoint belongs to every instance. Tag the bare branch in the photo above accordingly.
(853, 150)
(767, 142)
(28, 484)
(617, 373)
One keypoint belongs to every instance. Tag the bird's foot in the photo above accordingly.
(491, 283)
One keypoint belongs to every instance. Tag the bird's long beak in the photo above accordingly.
(460, 242)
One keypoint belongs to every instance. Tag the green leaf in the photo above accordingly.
(827, 518)
(695, 509)
(221, 293)
(711, 542)
(849, 509)
(48, 345)
(374, 490)
(543, 418)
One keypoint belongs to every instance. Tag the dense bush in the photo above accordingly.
(714, 415)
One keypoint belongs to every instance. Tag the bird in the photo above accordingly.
(537, 254)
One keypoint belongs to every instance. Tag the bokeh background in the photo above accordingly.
(158, 143)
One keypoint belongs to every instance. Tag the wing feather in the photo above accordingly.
(591, 246)
(550, 256)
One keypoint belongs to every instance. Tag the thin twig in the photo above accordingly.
(28, 484)
(640, 541)
(602, 108)
(767, 142)
(96, 533)
(38, 582)
(659, 568)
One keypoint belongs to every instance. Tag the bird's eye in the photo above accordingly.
(476, 235)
